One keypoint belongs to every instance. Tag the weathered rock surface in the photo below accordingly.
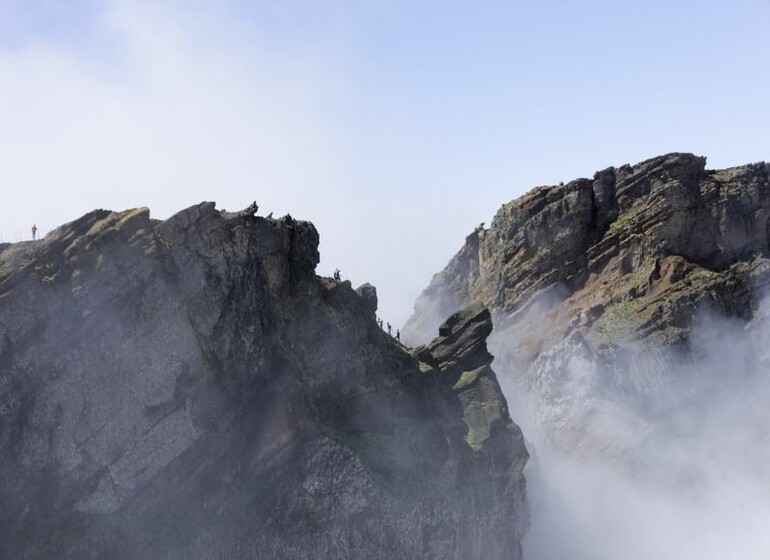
(595, 285)
(191, 389)
(462, 360)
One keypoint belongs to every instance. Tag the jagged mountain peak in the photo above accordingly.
(190, 388)
(625, 223)
(596, 285)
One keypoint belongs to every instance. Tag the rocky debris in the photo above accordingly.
(191, 389)
(595, 285)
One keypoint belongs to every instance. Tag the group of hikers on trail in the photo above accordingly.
(390, 329)
(338, 278)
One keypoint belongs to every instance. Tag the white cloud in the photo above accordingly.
(168, 120)
(688, 479)
(166, 105)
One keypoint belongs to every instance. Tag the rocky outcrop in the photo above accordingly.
(595, 285)
(460, 356)
(191, 389)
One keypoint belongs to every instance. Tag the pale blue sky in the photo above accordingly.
(395, 126)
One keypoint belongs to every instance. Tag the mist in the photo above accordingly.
(395, 128)
(671, 465)
(124, 104)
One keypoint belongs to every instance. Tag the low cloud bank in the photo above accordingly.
(673, 466)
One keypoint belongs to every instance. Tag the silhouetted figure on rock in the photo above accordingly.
(34, 232)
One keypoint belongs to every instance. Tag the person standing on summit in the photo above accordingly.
(34, 232)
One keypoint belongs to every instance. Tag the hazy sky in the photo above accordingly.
(395, 126)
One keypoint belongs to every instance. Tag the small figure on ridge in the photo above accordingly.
(34, 232)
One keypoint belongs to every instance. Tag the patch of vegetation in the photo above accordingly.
(619, 321)
(478, 419)
(667, 336)
(426, 368)
(699, 277)
(468, 378)
(474, 440)
(553, 205)
(621, 222)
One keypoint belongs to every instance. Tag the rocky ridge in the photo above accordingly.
(192, 389)
(595, 286)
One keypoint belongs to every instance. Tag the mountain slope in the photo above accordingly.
(598, 286)
(191, 389)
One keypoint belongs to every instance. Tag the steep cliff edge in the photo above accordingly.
(596, 287)
(191, 389)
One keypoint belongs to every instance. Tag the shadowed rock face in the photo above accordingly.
(595, 285)
(191, 389)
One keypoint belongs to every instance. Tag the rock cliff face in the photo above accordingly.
(191, 389)
(596, 285)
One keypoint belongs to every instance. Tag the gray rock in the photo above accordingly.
(191, 389)
(368, 293)
(595, 285)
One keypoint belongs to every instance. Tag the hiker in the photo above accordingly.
(379, 323)
(337, 275)
(389, 331)
(34, 232)
(398, 335)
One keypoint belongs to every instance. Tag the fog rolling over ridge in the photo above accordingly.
(631, 340)
(676, 471)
